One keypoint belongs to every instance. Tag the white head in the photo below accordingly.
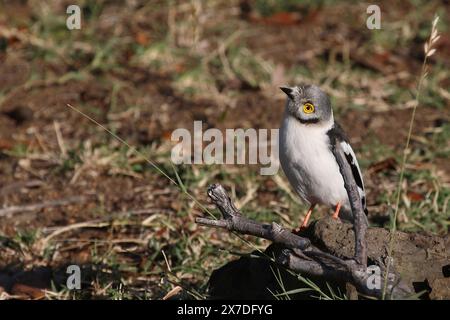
(308, 104)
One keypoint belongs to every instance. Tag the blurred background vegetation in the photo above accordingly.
(145, 68)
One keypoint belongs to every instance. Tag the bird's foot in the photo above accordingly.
(299, 229)
(336, 212)
(305, 220)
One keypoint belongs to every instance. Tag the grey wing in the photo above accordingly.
(356, 171)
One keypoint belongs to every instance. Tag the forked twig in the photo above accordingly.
(296, 253)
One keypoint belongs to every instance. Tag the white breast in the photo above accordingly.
(309, 164)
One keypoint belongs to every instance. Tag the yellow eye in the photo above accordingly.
(308, 108)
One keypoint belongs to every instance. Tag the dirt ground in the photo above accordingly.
(143, 70)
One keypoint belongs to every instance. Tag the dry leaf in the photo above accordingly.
(415, 196)
(172, 293)
(27, 291)
(142, 38)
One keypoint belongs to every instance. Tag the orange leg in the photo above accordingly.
(308, 215)
(336, 212)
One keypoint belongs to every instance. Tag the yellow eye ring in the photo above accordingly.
(308, 108)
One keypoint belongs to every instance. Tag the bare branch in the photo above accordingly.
(235, 221)
(296, 252)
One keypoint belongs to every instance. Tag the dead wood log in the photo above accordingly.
(329, 250)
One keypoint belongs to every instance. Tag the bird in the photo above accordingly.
(309, 141)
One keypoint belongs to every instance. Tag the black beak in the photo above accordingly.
(288, 91)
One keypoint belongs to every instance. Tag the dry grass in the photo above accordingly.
(141, 71)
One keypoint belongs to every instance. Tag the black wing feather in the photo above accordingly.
(337, 136)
